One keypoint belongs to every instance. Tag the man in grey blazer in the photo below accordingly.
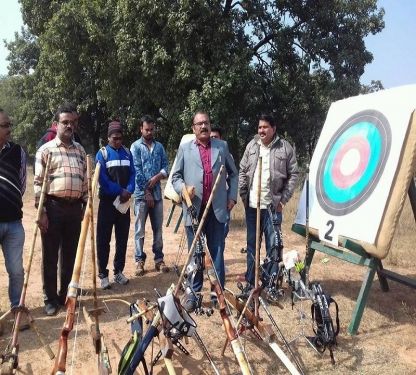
(197, 165)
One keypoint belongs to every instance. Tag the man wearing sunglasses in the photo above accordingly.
(67, 194)
(116, 180)
(198, 163)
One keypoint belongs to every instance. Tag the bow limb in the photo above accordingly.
(71, 299)
(153, 331)
(104, 366)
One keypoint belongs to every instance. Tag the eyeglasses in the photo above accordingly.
(200, 123)
(116, 138)
(6, 125)
(68, 122)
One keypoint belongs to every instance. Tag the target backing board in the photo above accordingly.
(169, 191)
(361, 169)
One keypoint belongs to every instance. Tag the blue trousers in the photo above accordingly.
(12, 238)
(141, 211)
(266, 228)
(215, 237)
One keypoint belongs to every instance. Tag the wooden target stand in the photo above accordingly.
(354, 253)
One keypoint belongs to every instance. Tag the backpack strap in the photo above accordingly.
(331, 300)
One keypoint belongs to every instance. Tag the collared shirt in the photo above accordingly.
(22, 171)
(148, 162)
(265, 194)
(67, 172)
(205, 154)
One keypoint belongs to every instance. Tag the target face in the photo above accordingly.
(353, 162)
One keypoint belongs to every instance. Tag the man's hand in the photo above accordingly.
(191, 191)
(153, 181)
(43, 222)
(149, 199)
(230, 204)
(124, 196)
(279, 207)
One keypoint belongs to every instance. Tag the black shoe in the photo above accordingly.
(214, 303)
(189, 304)
(61, 300)
(51, 309)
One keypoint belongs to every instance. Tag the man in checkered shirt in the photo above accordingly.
(67, 194)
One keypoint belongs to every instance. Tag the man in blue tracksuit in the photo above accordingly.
(117, 177)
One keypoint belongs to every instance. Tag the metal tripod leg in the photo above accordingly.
(302, 335)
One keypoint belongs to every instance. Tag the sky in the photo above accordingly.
(394, 49)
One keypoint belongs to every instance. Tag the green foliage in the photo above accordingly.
(236, 59)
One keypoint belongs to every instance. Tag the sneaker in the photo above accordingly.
(119, 278)
(214, 303)
(161, 267)
(139, 268)
(105, 283)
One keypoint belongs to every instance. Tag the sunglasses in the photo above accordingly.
(116, 138)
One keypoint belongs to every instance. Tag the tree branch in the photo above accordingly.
(229, 5)
(264, 41)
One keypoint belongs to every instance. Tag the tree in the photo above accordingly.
(168, 58)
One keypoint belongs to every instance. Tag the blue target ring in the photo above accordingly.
(353, 162)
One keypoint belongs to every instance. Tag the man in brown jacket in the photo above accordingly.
(278, 180)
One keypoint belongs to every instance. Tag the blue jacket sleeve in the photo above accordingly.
(108, 187)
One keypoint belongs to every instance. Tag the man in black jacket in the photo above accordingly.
(12, 187)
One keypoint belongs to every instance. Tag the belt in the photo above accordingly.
(64, 201)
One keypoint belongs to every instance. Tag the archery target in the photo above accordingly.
(353, 162)
(361, 169)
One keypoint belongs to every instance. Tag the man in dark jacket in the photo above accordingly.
(12, 187)
(116, 182)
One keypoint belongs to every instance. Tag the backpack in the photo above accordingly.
(323, 326)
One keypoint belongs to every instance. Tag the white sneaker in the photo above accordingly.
(105, 283)
(119, 278)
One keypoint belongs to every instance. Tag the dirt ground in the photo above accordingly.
(386, 342)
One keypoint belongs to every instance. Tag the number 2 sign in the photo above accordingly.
(361, 169)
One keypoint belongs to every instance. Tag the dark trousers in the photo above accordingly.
(266, 228)
(60, 242)
(108, 217)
